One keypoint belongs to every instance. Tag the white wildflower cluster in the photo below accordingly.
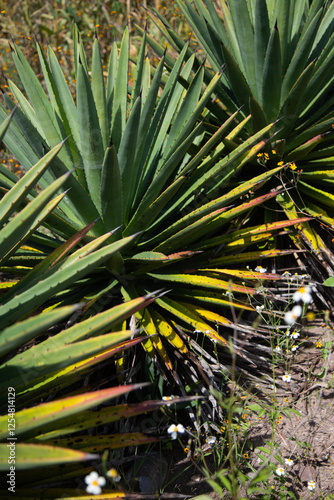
(302, 296)
(311, 485)
(95, 482)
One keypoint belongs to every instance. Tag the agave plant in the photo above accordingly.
(148, 164)
(277, 58)
(36, 439)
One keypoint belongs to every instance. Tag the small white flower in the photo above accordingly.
(303, 294)
(211, 439)
(113, 474)
(277, 349)
(286, 274)
(294, 348)
(94, 482)
(288, 462)
(286, 378)
(174, 429)
(288, 333)
(259, 309)
(198, 331)
(295, 335)
(311, 485)
(280, 471)
(169, 398)
(261, 269)
(292, 316)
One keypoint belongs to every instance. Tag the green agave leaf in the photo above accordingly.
(201, 280)
(5, 124)
(188, 114)
(149, 215)
(90, 419)
(90, 135)
(71, 374)
(27, 369)
(319, 195)
(111, 190)
(16, 229)
(286, 16)
(29, 456)
(243, 26)
(23, 331)
(212, 298)
(259, 120)
(12, 199)
(237, 80)
(193, 232)
(33, 421)
(126, 159)
(67, 108)
(325, 28)
(119, 105)
(250, 256)
(303, 150)
(24, 140)
(99, 93)
(51, 89)
(290, 107)
(98, 443)
(77, 205)
(44, 267)
(272, 77)
(200, 27)
(26, 107)
(56, 281)
(261, 39)
(40, 103)
(111, 80)
(139, 78)
(102, 322)
(303, 136)
(301, 54)
(244, 236)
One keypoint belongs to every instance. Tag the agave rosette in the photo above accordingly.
(152, 172)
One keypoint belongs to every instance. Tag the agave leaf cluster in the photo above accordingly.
(127, 190)
(277, 58)
(145, 169)
(52, 368)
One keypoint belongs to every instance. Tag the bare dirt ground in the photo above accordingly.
(306, 437)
